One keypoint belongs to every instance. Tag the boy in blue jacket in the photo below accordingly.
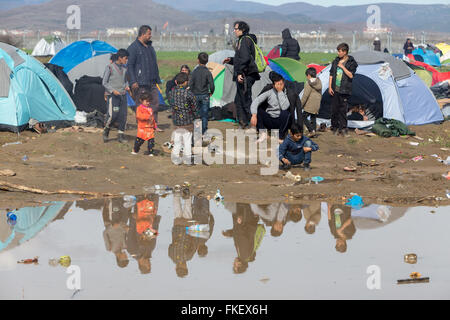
(296, 149)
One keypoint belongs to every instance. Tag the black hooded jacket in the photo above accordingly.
(244, 58)
(346, 82)
(290, 47)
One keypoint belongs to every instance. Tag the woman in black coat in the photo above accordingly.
(290, 47)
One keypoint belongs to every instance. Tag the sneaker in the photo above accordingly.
(121, 138)
(345, 133)
(134, 153)
(148, 153)
(307, 168)
(335, 132)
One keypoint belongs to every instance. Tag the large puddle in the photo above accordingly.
(274, 251)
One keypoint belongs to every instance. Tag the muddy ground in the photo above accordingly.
(385, 173)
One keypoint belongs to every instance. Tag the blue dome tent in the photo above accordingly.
(387, 88)
(29, 90)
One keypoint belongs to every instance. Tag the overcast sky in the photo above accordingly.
(351, 2)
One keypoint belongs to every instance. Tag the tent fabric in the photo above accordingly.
(61, 76)
(398, 67)
(225, 91)
(92, 67)
(4, 79)
(318, 67)
(427, 56)
(275, 52)
(436, 75)
(219, 56)
(407, 100)
(290, 69)
(445, 58)
(80, 51)
(445, 48)
(43, 48)
(34, 93)
(415, 96)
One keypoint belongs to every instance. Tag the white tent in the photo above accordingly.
(43, 48)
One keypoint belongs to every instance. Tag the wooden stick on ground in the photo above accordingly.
(6, 186)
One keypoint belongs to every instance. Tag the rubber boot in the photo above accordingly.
(122, 138)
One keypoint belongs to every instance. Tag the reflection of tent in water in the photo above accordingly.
(376, 216)
(30, 221)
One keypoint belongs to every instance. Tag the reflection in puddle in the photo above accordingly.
(170, 237)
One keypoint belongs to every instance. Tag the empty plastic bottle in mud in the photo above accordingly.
(198, 228)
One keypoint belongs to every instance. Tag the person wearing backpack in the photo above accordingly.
(245, 71)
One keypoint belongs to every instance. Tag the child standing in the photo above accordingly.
(116, 85)
(312, 95)
(146, 126)
(202, 86)
(342, 71)
(183, 105)
(296, 149)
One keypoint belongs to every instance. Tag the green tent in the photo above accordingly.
(290, 69)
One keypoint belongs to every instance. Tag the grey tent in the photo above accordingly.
(93, 67)
(219, 56)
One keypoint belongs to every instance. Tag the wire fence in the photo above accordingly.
(393, 42)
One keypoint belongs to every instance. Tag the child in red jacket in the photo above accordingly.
(146, 126)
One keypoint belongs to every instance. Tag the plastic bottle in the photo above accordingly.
(198, 228)
(129, 198)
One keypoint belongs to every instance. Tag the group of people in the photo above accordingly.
(278, 106)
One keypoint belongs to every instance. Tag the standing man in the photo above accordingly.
(143, 69)
(342, 71)
(245, 72)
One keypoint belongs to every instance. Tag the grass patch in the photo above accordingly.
(352, 141)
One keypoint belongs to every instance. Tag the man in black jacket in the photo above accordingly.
(143, 69)
(342, 71)
(245, 71)
(290, 47)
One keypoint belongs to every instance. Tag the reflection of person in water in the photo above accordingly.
(341, 225)
(245, 235)
(140, 244)
(312, 216)
(202, 215)
(183, 246)
(115, 218)
(276, 215)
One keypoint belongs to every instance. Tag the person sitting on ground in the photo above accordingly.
(116, 85)
(277, 114)
(290, 47)
(312, 95)
(357, 113)
(172, 84)
(201, 84)
(146, 126)
(184, 106)
(296, 149)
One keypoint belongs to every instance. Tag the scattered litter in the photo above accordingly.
(356, 202)
(264, 280)
(448, 193)
(11, 143)
(291, 176)
(410, 258)
(11, 219)
(149, 233)
(317, 179)
(350, 169)
(418, 158)
(64, 261)
(35, 260)
(218, 196)
(447, 161)
(7, 173)
(340, 155)
(414, 143)
(416, 280)
(415, 275)
(198, 228)
(418, 138)
(49, 155)
(25, 158)
(445, 149)
(123, 167)
(435, 156)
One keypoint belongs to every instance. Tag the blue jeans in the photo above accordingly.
(301, 157)
(203, 109)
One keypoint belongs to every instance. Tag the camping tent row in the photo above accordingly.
(88, 57)
(388, 88)
(29, 90)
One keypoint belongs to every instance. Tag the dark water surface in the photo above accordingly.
(275, 251)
